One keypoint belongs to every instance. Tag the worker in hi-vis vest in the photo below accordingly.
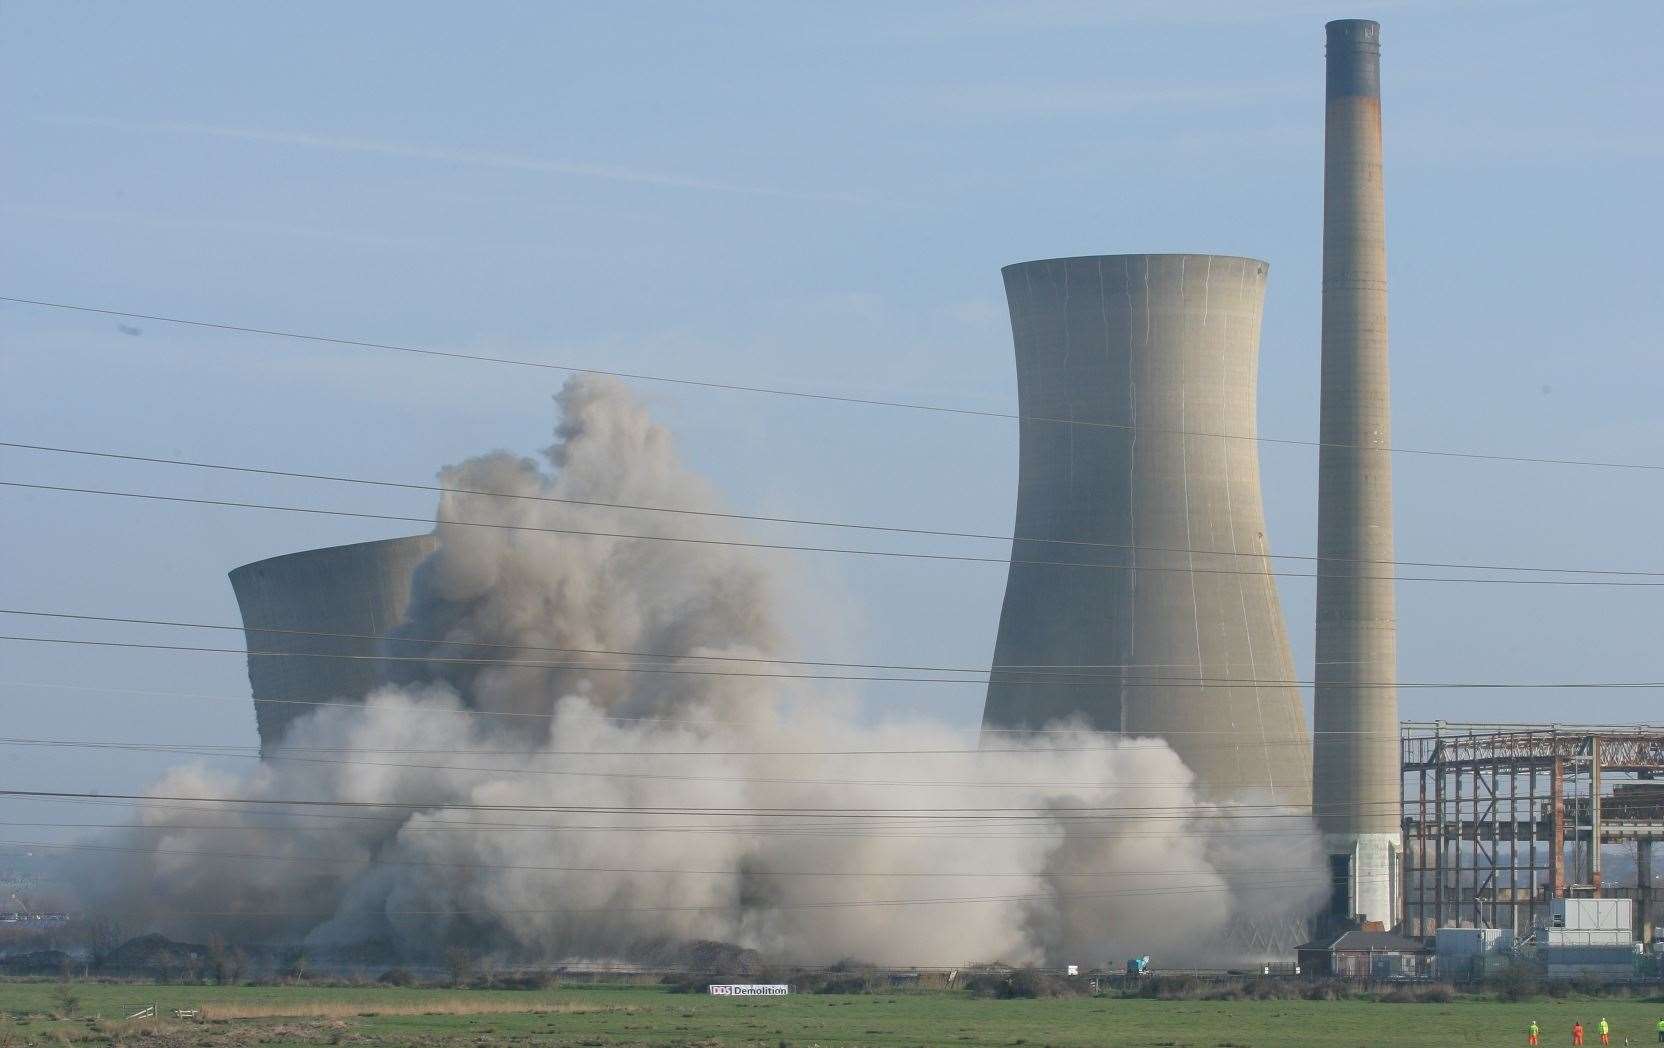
(1532, 1033)
(1577, 1033)
(1605, 1031)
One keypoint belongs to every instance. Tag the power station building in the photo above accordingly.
(313, 623)
(1140, 598)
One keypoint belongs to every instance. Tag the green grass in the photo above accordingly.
(650, 1017)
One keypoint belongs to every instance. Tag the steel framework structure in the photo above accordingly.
(1501, 818)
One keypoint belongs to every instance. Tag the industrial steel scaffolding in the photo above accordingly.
(1499, 819)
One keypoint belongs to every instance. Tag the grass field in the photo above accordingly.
(282, 1015)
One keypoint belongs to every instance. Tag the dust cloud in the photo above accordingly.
(551, 806)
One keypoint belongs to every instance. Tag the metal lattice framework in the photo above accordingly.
(1501, 818)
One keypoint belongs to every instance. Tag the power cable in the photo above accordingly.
(511, 911)
(319, 820)
(806, 522)
(1147, 682)
(588, 667)
(780, 546)
(1153, 682)
(993, 813)
(244, 329)
(811, 832)
(748, 872)
(1028, 668)
(1129, 741)
(524, 753)
(184, 750)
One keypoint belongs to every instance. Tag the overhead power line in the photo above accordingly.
(278, 755)
(285, 751)
(784, 547)
(1146, 682)
(750, 871)
(808, 522)
(244, 329)
(818, 830)
(1153, 682)
(703, 722)
(582, 667)
(1129, 741)
(728, 908)
(967, 814)
(316, 819)
(1042, 669)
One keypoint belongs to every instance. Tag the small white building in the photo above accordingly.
(1593, 938)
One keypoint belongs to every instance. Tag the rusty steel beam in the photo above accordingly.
(1637, 751)
(1557, 830)
(1612, 831)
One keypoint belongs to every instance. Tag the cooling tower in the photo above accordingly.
(1139, 598)
(1356, 760)
(361, 590)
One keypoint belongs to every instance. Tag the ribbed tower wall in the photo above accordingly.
(1356, 758)
(361, 590)
(1139, 481)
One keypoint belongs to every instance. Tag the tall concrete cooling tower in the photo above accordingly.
(1356, 760)
(1156, 615)
(361, 590)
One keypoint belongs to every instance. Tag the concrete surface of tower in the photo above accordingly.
(1356, 760)
(318, 614)
(1139, 597)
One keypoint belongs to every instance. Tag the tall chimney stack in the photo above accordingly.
(1355, 752)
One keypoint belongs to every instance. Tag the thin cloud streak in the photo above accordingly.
(248, 227)
(1049, 15)
(468, 157)
(1088, 98)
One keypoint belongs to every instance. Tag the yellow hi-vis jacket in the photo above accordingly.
(1605, 1028)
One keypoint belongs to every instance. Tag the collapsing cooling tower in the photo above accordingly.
(321, 611)
(1139, 597)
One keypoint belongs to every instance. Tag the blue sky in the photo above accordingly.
(815, 197)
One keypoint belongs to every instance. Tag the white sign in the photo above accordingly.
(749, 989)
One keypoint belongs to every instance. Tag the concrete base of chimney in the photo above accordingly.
(1374, 871)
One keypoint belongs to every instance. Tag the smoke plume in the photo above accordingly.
(689, 799)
